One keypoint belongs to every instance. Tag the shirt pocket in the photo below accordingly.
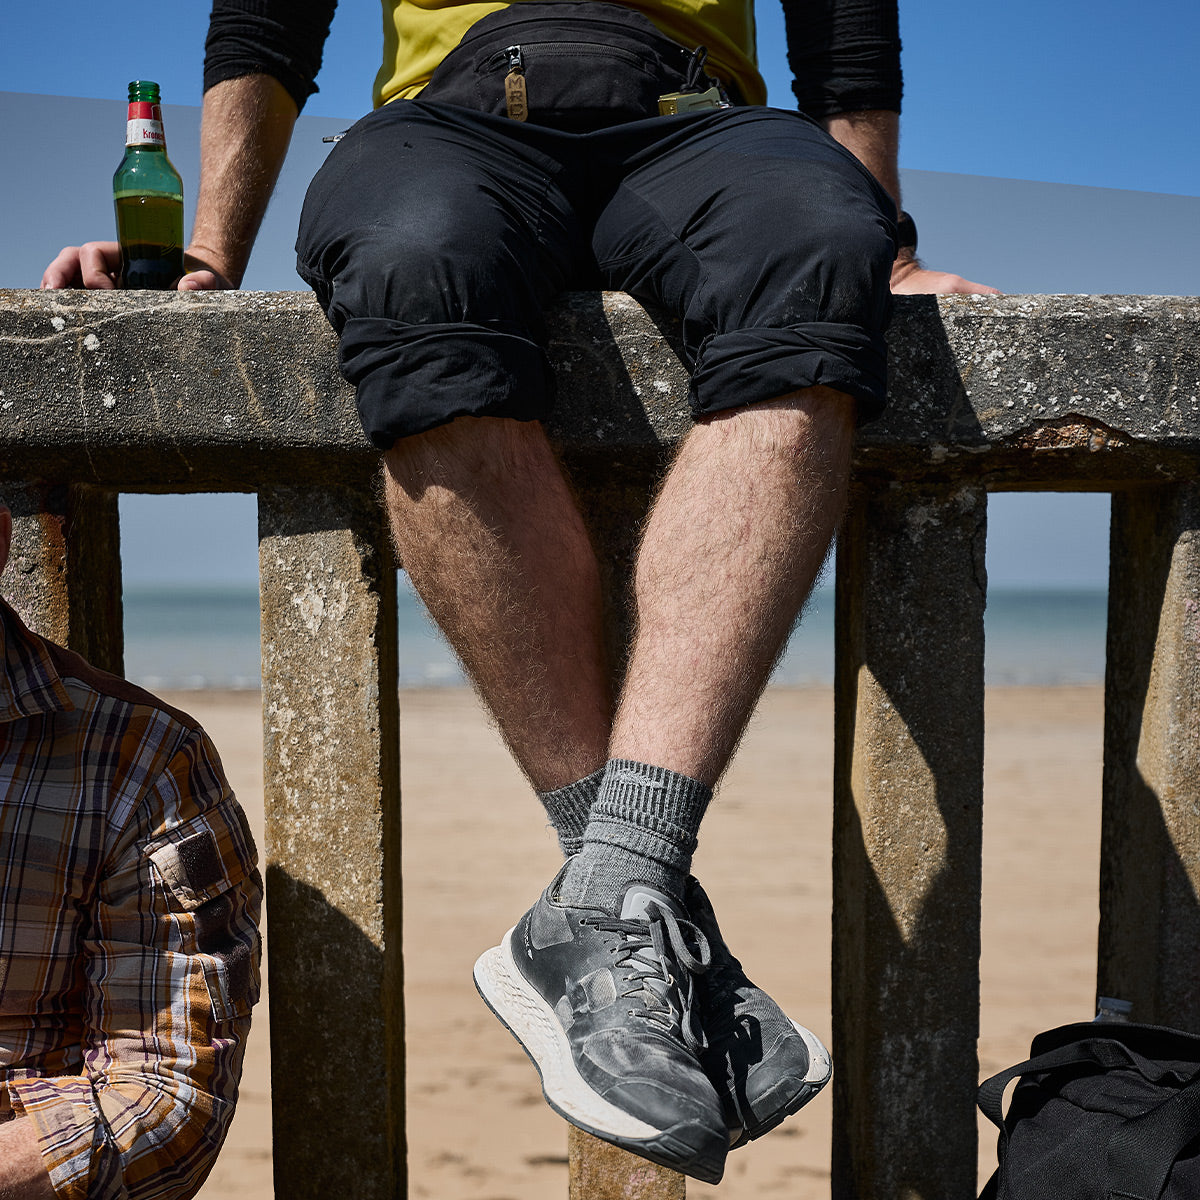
(214, 888)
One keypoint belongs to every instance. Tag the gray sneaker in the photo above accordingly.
(603, 1007)
(763, 1065)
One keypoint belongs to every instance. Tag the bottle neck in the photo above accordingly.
(144, 127)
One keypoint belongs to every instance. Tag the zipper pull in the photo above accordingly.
(516, 101)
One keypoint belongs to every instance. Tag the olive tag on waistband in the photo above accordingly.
(674, 103)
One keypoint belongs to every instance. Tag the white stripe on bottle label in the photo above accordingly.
(140, 132)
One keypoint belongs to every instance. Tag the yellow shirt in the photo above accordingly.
(418, 34)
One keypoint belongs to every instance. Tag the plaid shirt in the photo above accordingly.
(129, 902)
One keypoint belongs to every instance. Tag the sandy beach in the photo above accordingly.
(476, 853)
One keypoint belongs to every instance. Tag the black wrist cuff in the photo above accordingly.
(906, 232)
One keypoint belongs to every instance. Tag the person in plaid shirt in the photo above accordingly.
(129, 946)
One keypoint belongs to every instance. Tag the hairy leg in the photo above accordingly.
(491, 536)
(735, 541)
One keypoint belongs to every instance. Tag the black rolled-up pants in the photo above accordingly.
(434, 236)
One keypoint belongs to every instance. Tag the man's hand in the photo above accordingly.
(98, 265)
(92, 265)
(204, 272)
(909, 278)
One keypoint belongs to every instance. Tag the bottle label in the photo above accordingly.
(144, 126)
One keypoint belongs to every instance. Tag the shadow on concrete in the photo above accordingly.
(1150, 911)
(335, 1015)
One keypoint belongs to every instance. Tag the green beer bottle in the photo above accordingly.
(148, 197)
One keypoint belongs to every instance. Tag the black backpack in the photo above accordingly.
(1101, 1112)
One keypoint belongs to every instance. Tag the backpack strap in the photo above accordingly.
(1098, 1052)
(1143, 1151)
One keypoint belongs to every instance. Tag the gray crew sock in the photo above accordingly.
(569, 807)
(642, 829)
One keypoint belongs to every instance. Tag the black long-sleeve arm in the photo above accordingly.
(281, 38)
(844, 55)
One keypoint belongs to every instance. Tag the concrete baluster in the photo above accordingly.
(1149, 948)
(64, 573)
(599, 1171)
(330, 726)
(907, 842)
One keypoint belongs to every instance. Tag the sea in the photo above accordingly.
(184, 637)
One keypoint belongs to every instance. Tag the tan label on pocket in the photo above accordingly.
(515, 98)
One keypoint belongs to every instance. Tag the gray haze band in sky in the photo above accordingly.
(1019, 236)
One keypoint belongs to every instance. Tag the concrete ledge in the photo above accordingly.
(174, 391)
(1090, 389)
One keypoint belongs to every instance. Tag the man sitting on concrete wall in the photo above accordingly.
(129, 949)
(516, 151)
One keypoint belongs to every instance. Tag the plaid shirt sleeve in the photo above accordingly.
(171, 973)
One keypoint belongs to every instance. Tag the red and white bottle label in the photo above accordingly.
(144, 126)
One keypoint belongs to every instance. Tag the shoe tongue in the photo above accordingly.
(639, 897)
(660, 989)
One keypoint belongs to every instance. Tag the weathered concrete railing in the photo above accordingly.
(150, 392)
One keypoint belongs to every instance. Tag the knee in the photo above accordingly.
(423, 269)
(856, 238)
(843, 262)
(813, 420)
(855, 246)
(823, 261)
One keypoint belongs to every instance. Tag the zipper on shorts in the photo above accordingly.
(516, 98)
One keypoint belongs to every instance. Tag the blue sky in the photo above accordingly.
(1099, 93)
(1092, 96)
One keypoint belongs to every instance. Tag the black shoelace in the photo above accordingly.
(660, 968)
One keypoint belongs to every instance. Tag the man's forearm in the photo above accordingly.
(22, 1173)
(244, 135)
(873, 137)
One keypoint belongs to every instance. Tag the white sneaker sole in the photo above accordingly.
(532, 1022)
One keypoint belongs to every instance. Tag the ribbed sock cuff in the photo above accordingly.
(568, 809)
(649, 811)
(643, 828)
